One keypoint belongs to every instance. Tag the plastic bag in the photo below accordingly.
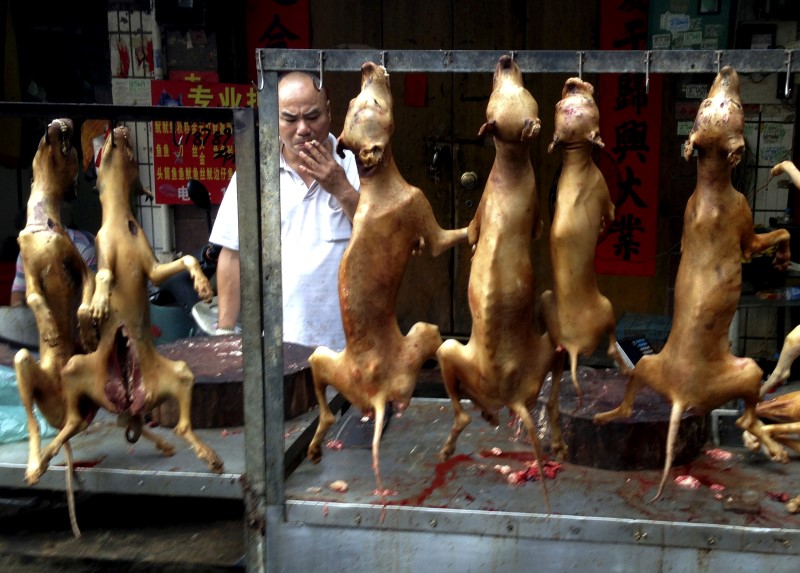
(13, 420)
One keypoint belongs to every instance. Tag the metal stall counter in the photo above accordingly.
(464, 514)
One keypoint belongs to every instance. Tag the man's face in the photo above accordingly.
(303, 113)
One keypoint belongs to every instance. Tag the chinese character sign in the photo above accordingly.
(195, 150)
(276, 24)
(630, 125)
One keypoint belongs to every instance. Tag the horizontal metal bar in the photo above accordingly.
(532, 61)
(643, 532)
(136, 482)
(114, 112)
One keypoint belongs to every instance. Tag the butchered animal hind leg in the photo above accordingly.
(457, 370)
(324, 362)
(28, 373)
(177, 380)
(520, 410)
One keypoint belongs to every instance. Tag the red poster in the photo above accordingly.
(630, 125)
(205, 76)
(276, 24)
(195, 150)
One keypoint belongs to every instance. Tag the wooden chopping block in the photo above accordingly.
(218, 393)
(634, 443)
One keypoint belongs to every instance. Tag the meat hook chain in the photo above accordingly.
(383, 59)
(718, 59)
(647, 72)
(581, 56)
(786, 90)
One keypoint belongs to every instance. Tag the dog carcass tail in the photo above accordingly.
(73, 520)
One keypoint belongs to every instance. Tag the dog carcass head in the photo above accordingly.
(118, 165)
(719, 124)
(369, 124)
(577, 119)
(56, 159)
(512, 114)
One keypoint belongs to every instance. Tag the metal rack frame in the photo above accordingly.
(277, 527)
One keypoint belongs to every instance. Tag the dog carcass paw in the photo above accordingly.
(750, 441)
(33, 474)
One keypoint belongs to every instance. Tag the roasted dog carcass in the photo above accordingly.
(785, 410)
(789, 353)
(393, 219)
(696, 368)
(57, 283)
(506, 359)
(126, 375)
(791, 344)
(577, 314)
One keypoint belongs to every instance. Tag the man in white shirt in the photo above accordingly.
(318, 200)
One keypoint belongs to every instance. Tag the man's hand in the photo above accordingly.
(318, 162)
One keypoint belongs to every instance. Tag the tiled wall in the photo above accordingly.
(769, 131)
(132, 68)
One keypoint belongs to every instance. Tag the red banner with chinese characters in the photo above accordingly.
(276, 24)
(630, 125)
(195, 150)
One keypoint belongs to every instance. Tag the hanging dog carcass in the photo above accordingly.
(126, 375)
(393, 219)
(576, 313)
(696, 369)
(506, 359)
(58, 284)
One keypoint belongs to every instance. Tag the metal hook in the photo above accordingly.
(647, 72)
(383, 59)
(580, 64)
(259, 72)
(513, 54)
(786, 90)
(718, 58)
(321, 60)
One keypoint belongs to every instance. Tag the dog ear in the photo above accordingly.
(735, 154)
(488, 127)
(530, 129)
(688, 148)
(595, 139)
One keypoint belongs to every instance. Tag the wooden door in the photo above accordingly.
(436, 143)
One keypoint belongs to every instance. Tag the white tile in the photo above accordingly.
(761, 200)
(775, 143)
(124, 21)
(113, 21)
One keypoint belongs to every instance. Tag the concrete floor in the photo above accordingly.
(120, 533)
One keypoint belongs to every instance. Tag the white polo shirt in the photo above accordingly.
(314, 235)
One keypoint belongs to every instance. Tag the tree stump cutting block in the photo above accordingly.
(635, 443)
(218, 393)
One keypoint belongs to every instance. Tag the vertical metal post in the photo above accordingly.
(262, 324)
(272, 305)
(248, 201)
